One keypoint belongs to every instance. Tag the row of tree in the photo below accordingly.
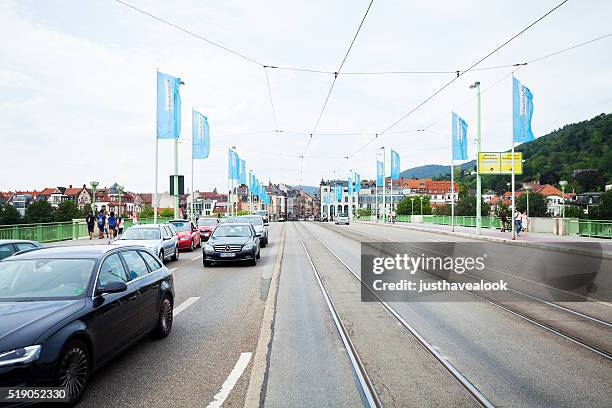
(41, 211)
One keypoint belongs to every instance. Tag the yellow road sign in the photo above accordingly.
(489, 163)
(506, 163)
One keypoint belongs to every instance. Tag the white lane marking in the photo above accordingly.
(185, 305)
(173, 269)
(231, 380)
(197, 257)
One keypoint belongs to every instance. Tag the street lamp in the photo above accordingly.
(476, 85)
(421, 197)
(411, 205)
(94, 184)
(563, 183)
(120, 191)
(527, 189)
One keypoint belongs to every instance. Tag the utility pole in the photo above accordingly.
(478, 181)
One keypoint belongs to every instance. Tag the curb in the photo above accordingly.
(259, 369)
(531, 244)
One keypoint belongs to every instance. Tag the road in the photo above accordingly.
(328, 348)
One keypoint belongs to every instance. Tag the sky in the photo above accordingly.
(77, 84)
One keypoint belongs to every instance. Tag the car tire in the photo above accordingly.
(263, 243)
(207, 264)
(192, 246)
(258, 254)
(164, 319)
(253, 262)
(175, 257)
(161, 255)
(73, 370)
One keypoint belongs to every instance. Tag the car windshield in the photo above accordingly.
(343, 215)
(228, 230)
(253, 220)
(44, 279)
(207, 221)
(141, 234)
(262, 213)
(181, 226)
(228, 219)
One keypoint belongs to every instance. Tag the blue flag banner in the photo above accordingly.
(233, 167)
(200, 135)
(338, 193)
(459, 137)
(251, 182)
(522, 112)
(357, 182)
(380, 173)
(350, 185)
(168, 106)
(326, 200)
(242, 172)
(395, 165)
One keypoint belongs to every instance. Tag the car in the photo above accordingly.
(10, 246)
(264, 214)
(311, 218)
(206, 226)
(187, 234)
(225, 220)
(67, 311)
(281, 219)
(232, 242)
(258, 223)
(342, 218)
(159, 238)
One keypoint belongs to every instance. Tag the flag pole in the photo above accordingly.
(192, 192)
(384, 184)
(452, 190)
(513, 199)
(156, 153)
(376, 192)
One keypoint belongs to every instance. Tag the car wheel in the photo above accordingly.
(161, 255)
(73, 370)
(207, 264)
(258, 254)
(253, 262)
(263, 243)
(164, 319)
(192, 246)
(175, 257)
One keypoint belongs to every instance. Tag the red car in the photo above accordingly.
(187, 234)
(206, 226)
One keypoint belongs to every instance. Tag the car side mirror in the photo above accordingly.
(165, 238)
(112, 287)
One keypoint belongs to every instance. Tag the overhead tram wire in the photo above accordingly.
(332, 87)
(459, 74)
(191, 33)
(271, 101)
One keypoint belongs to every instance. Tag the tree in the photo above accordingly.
(404, 207)
(590, 180)
(87, 209)
(548, 176)
(10, 215)
(166, 212)
(571, 211)
(444, 209)
(538, 207)
(467, 206)
(502, 207)
(364, 212)
(604, 209)
(67, 211)
(147, 212)
(40, 211)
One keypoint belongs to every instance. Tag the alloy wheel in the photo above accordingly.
(74, 370)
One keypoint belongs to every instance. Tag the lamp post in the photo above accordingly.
(527, 189)
(563, 183)
(411, 206)
(476, 85)
(120, 191)
(421, 207)
(94, 185)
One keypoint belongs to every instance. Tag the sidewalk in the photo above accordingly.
(530, 239)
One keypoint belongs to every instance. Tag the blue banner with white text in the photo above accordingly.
(200, 136)
(395, 165)
(459, 137)
(522, 112)
(168, 106)
(380, 173)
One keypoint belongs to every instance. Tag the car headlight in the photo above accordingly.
(20, 356)
(209, 248)
(248, 247)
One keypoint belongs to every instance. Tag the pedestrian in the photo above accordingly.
(517, 222)
(524, 222)
(105, 225)
(101, 224)
(112, 225)
(120, 226)
(134, 218)
(503, 216)
(91, 223)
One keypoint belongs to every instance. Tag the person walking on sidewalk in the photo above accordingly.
(112, 225)
(524, 222)
(517, 222)
(120, 226)
(503, 216)
(101, 224)
(134, 218)
(91, 223)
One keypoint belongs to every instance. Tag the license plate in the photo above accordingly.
(227, 254)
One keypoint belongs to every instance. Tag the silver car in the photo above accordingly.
(342, 219)
(257, 221)
(159, 238)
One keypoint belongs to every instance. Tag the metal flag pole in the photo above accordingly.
(384, 184)
(156, 158)
(513, 199)
(176, 183)
(249, 189)
(452, 188)
(376, 192)
(192, 191)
